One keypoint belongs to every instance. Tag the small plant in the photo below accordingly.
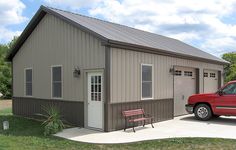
(52, 123)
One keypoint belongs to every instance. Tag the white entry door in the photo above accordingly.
(210, 81)
(95, 100)
(184, 86)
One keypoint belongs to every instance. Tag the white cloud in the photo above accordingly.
(11, 14)
(193, 21)
(72, 4)
(7, 35)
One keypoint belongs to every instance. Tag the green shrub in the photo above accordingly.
(52, 123)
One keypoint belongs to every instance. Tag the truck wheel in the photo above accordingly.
(202, 112)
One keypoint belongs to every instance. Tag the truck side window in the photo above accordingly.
(230, 89)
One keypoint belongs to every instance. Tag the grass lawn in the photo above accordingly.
(28, 134)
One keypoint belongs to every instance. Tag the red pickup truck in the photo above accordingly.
(206, 106)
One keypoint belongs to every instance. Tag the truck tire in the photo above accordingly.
(202, 112)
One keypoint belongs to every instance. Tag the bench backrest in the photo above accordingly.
(134, 112)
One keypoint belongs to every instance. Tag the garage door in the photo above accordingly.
(210, 81)
(184, 86)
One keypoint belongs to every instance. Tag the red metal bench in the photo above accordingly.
(136, 115)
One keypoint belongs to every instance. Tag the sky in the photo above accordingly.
(209, 25)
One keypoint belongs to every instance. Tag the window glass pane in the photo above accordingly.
(28, 74)
(99, 79)
(56, 73)
(146, 73)
(95, 79)
(230, 89)
(57, 89)
(99, 88)
(92, 96)
(146, 89)
(28, 88)
(205, 74)
(95, 96)
(99, 96)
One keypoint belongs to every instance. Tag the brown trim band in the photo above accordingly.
(160, 110)
(71, 111)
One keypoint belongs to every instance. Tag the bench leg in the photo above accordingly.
(151, 123)
(125, 125)
(133, 127)
(144, 123)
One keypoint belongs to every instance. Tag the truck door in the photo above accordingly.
(225, 103)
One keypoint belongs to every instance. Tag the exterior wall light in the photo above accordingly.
(76, 72)
(171, 71)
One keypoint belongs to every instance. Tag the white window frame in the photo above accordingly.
(149, 98)
(30, 68)
(52, 82)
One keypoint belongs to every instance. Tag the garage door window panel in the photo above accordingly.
(212, 75)
(188, 73)
(147, 81)
(178, 72)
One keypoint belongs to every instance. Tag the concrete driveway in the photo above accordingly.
(183, 126)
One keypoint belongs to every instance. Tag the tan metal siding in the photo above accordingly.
(55, 42)
(126, 74)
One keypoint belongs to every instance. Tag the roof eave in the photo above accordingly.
(140, 48)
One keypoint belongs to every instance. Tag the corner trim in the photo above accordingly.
(107, 86)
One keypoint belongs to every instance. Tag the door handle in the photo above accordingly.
(182, 97)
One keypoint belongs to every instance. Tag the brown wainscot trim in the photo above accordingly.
(72, 111)
(160, 109)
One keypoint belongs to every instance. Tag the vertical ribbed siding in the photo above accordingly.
(72, 112)
(160, 109)
(55, 42)
(126, 71)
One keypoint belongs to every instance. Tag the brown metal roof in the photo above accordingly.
(119, 34)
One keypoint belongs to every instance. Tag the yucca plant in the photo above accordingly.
(52, 120)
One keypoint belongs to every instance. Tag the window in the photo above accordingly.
(205, 74)
(96, 88)
(230, 89)
(28, 82)
(178, 72)
(147, 82)
(212, 75)
(56, 82)
(188, 73)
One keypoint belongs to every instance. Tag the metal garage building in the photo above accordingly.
(93, 69)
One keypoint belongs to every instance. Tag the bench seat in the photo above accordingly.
(136, 115)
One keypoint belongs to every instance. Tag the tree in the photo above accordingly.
(230, 70)
(5, 70)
